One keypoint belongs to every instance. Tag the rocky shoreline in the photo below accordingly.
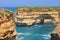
(24, 17)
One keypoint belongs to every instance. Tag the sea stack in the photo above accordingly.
(7, 27)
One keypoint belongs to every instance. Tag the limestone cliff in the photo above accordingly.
(33, 15)
(7, 29)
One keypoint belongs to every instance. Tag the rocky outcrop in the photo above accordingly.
(32, 16)
(55, 35)
(7, 29)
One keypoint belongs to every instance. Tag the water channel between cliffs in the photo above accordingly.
(37, 32)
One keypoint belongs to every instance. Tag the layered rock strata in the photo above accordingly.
(55, 35)
(7, 25)
(30, 16)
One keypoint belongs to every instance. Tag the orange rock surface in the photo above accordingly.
(7, 27)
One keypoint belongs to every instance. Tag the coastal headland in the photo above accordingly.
(28, 16)
(7, 25)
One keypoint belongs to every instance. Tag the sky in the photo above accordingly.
(17, 3)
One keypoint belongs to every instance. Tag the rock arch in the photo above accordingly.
(45, 16)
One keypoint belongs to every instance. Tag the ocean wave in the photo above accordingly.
(21, 35)
(44, 36)
(24, 34)
(21, 38)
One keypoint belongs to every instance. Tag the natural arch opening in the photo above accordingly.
(46, 18)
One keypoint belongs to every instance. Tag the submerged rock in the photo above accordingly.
(7, 27)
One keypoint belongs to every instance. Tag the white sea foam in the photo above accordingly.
(20, 33)
(26, 34)
(46, 36)
(20, 38)
(35, 25)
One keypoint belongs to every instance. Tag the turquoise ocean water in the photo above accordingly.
(37, 32)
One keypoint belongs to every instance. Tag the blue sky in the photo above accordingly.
(17, 3)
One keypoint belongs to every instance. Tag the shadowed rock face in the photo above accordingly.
(7, 29)
(54, 36)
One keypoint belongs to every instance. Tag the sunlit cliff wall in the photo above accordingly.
(32, 15)
(7, 25)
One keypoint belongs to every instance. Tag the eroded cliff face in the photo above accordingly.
(33, 16)
(7, 26)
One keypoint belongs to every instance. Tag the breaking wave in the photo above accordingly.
(44, 36)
